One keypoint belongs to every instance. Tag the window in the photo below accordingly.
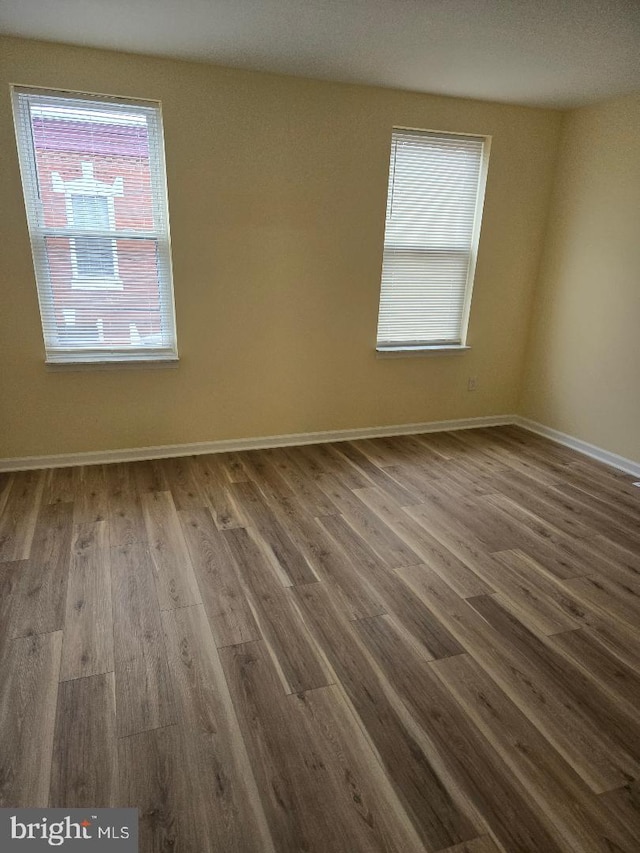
(89, 205)
(434, 206)
(95, 194)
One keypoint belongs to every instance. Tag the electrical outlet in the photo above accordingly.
(472, 383)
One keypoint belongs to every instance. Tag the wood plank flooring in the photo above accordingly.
(425, 643)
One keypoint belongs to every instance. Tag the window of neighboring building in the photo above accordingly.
(95, 192)
(90, 206)
(434, 207)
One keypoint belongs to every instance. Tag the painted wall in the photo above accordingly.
(583, 375)
(277, 193)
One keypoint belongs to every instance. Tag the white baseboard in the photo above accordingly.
(134, 454)
(605, 456)
(165, 451)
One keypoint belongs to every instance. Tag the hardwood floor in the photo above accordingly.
(425, 643)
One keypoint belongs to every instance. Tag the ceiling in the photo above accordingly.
(558, 53)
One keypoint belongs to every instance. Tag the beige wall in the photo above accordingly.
(583, 374)
(277, 192)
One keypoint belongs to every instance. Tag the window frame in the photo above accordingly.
(55, 353)
(441, 346)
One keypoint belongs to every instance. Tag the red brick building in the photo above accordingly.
(94, 177)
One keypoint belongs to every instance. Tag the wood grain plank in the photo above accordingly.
(448, 531)
(155, 777)
(304, 489)
(389, 547)
(549, 545)
(612, 518)
(143, 687)
(10, 578)
(541, 449)
(442, 445)
(597, 663)
(60, 485)
(6, 482)
(175, 579)
(580, 740)
(466, 458)
(477, 768)
(478, 845)
(529, 534)
(624, 803)
(469, 514)
(462, 577)
(377, 475)
(85, 771)
(224, 600)
(615, 636)
(210, 473)
(613, 561)
(490, 440)
(186, 489)
(40, 598)
(512, 574)
(262, 470)
(602, 488)
(274, 609)
(251, 502)
(18, 520)
(419, 481)
(335, 568)
(330, 564)
(231, 464)
(149, 476)
(438, 819)
(91, 503)
(215, 752)
(563, 554)
(467, 476)
(395, 450)
(321, 788)
(88, 627)
(585, 701)
(395, 596)
(320, 459)
(467, 446)
(546, 502)
(622, 601)
(124, 508)
(29, 671)
(579, 816)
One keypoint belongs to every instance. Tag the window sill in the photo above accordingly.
(125, 364)
(421, 351)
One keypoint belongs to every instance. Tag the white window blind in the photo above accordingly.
(94, 183)
(434, 204)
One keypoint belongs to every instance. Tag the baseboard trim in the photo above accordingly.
(136, 454)
(167, 451)
(598, 453)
